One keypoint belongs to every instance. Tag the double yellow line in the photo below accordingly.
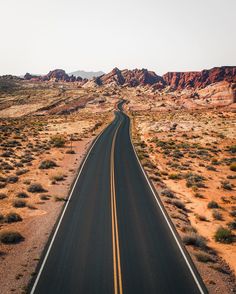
(115, 234)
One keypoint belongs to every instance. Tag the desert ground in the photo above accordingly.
(190, 158)
(187, 147)
(40, 158)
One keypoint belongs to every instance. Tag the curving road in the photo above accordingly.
(114, 235)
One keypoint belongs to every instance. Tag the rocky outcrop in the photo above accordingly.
(130, 78)
(199, 80)
(55, 76)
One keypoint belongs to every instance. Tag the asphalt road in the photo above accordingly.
(113, 235)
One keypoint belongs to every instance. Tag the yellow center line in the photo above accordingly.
(115, 233)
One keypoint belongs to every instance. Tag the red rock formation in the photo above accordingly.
(130, 78)
(183, 80)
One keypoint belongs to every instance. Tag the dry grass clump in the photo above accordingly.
(3, 196)
(194, 239)
(46, 164)
(233, 166)
(168, 193)
(10, 237)
(36, 188)
(204, 257)
(12, 217)
(58, 141)
(212, 204)
(179, 204)
(22, 195)
(217, 215)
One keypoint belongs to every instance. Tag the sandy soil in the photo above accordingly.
(19, 261)
(173, 144)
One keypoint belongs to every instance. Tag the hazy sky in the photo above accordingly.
(161, 35)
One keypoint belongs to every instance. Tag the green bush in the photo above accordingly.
(57, 141)
(223, 235)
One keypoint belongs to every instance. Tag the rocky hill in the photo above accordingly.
(201, 79)
(55, 75)
(130, 78)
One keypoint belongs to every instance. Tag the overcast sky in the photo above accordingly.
(161, 35)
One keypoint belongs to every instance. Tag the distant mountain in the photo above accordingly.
(86, 74)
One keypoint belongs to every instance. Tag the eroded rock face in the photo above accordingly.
(57, 75)
(130, 78)
(183, 80)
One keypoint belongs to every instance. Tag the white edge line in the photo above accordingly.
(62, 215)
(166, 218)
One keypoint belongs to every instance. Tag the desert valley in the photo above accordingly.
(183, 127)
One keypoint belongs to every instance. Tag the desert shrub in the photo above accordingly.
(46, 164)
(233, 213)
(189, 229)
(195, 240)
(226, 185)
(22, 195)
(148, 164)
(44, 197)
(58, 178)
(204, 257)
(3, 196)
(57, 141)
(232, 225)
(217, 215)
(198, 195)
(21, 172)
(179, 204)
(57, 198)
(211, 168)
(2, 185)
(70, 151)
(212, 204)
(19, 203)
(175, 176)
(36, 188)
(194, 180)
(233, 166)
(224, 199)
(10, 237)
(12, 179)
(168, 193)
(12, 217)
(223, 235)
(1, 217)
(232, 149)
